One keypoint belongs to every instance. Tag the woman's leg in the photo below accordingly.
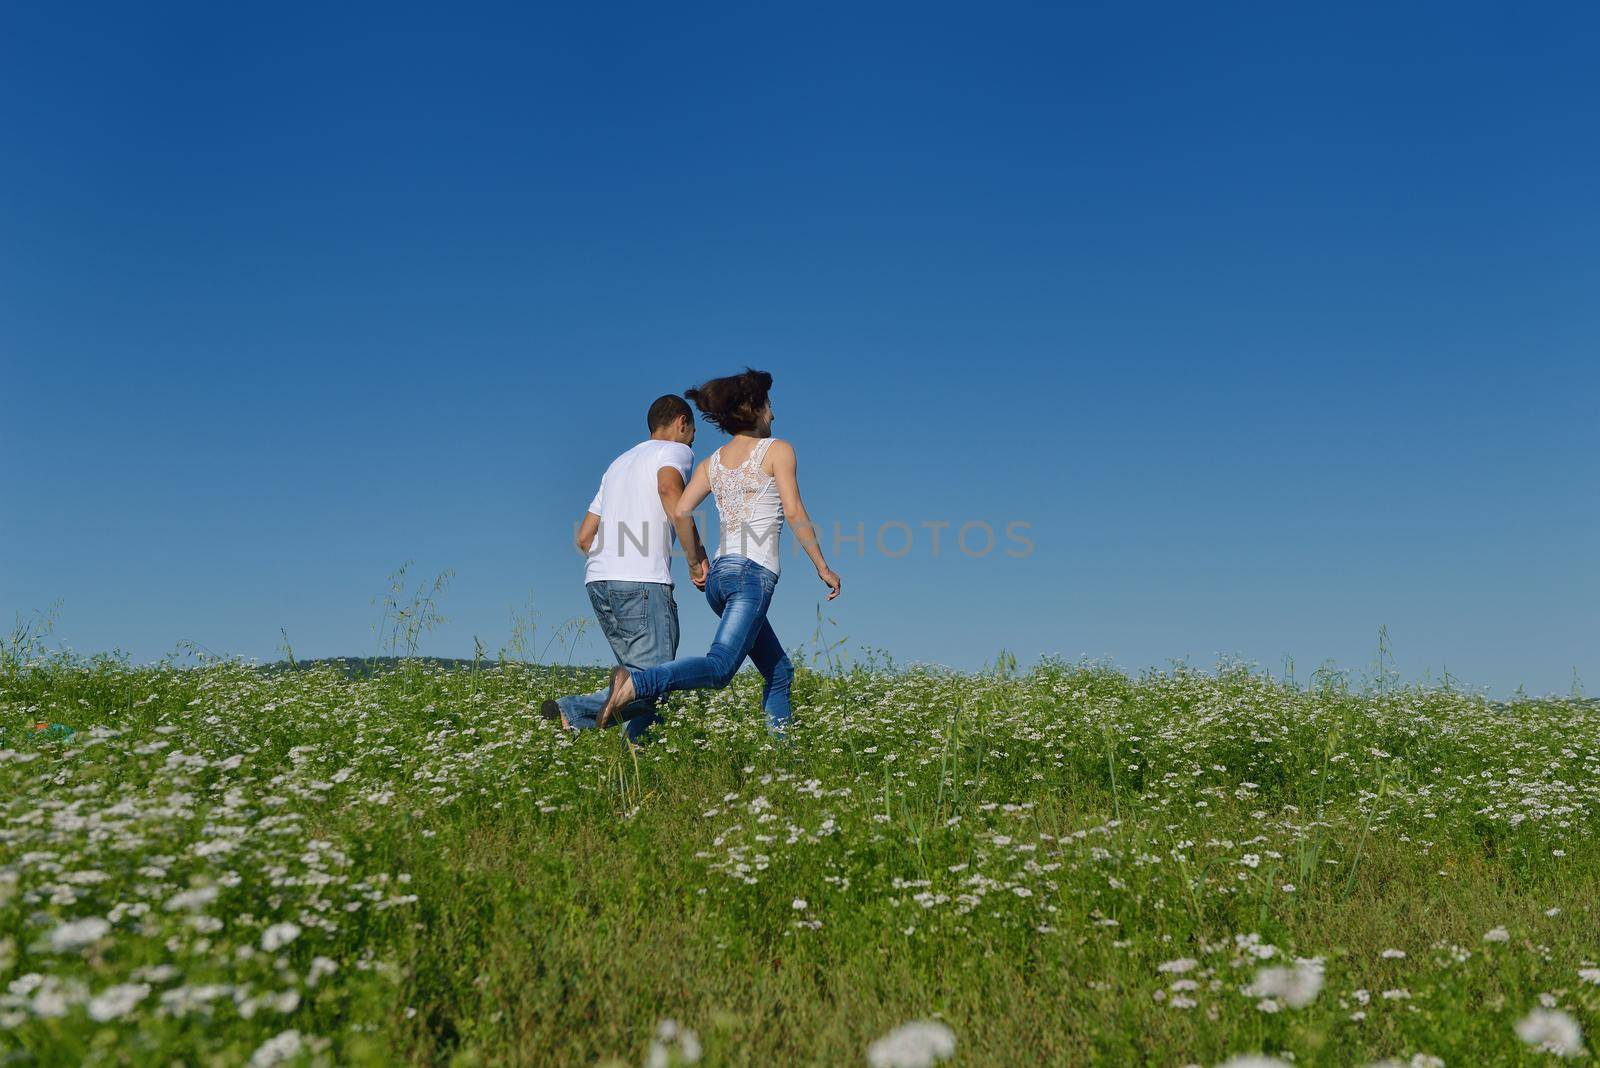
(744, 610)
(767, 654)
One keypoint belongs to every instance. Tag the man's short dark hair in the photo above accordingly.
(667, 409)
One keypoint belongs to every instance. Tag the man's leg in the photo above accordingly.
(659, 645)
(628, 613)
(641, 610)
(582, 709)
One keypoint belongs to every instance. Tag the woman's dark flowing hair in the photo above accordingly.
(734, 402)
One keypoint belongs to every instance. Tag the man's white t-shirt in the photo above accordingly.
(636, 536)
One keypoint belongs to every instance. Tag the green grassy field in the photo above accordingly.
(1066, 866)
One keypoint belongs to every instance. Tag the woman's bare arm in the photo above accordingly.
(682, 513)
(780, 455)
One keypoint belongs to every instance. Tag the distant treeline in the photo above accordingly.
(360, 667)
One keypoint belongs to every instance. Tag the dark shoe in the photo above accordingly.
(550, 710)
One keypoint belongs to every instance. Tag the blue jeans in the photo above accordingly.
(739, 590)
(640, 620)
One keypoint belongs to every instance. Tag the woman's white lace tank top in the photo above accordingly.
(750, 515)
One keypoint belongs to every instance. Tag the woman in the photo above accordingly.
(753, 478)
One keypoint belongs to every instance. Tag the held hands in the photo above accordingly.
(697, 573)
(830, 579)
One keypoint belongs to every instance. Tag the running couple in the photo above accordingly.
(646, 502)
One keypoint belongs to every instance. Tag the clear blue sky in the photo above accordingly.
(1277, 323)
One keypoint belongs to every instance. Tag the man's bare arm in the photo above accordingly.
(587, 529)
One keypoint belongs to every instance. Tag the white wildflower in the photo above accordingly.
(115, 1002)
(191, 900)
(1297, 987)
(320, 967)
(55, 996)
(1551, 1030)
(279, 935)
(284, 1046)
(21, 988)
(77, 934)
(918, 1044)
(673, 1045)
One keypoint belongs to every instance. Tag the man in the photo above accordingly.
(627, 536)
